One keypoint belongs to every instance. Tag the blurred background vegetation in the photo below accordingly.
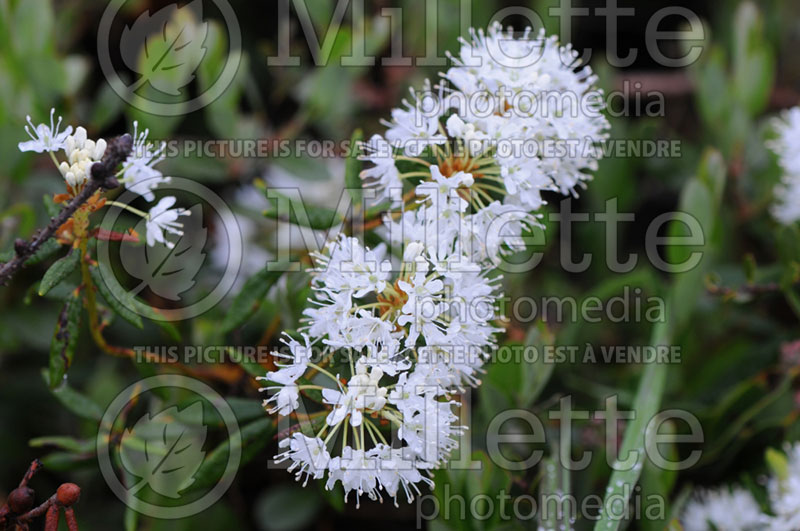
(737, 367)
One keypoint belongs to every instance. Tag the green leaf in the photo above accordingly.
(645, 407)
(286, 508)
(352, 171)
(750, 267)
(107, 105)
(69, 444)
(131, 519)
(47, 249)
(555, 486)
(713, 99)
(777, 463)
(149, 312)
(284, 209)
(59, 271)
(657, 483)
(535, 375)
(119, 299)
(249, 299)
(65, 461)
(169, 461)
(74, 401)
(65, 338)
(167, 58)
(700, 199)
(489, 480)
(254, 436)
(50, 206)
(753, 63)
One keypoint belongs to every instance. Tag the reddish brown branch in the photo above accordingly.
(102, 177)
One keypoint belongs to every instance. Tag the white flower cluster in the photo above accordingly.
(395, 332)
(786, 208)
(784, 494)
(522, 117)
(737, 510)
(137, 173)
(733, 510)
(409, 335)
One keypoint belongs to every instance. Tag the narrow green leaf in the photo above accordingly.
(285, 209)
(535, 375)
(117, 298)
(249, 299)
(131, 518)
(145, 310)
(254, 436)
(286, 507)
(65, 338)
(48, 249)
(700, 199)
(554, 492)
(65, 461)
(50, 206)
(352, 171)
(69, 444)
(645, 407)
(778, 463)
(753, 63)
(657, 484)
(59, 271)
(74, 401)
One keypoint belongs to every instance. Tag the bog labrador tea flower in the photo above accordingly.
(509, 121)
(735, 508)
(393, 333)
(137, 173)
(786, 208)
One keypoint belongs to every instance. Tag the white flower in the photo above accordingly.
(82, 153)
(164, 219)
(396, 469)
(438, 296)
(416, 127)
(786, 208)
(731, 510)
(363, 393)
(784, 494)
(287, 398)
(413, 389)
(384, 174)
(139, 174)
(44, 138)
(550, 76)
(495, 150)
(357, 472)
(309, 456)
(431, 432)
(445, 187)
(351, 267)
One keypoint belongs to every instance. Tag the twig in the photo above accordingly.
(750, 289)
(102, 176)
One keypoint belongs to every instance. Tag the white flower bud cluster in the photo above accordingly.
(81, 153)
